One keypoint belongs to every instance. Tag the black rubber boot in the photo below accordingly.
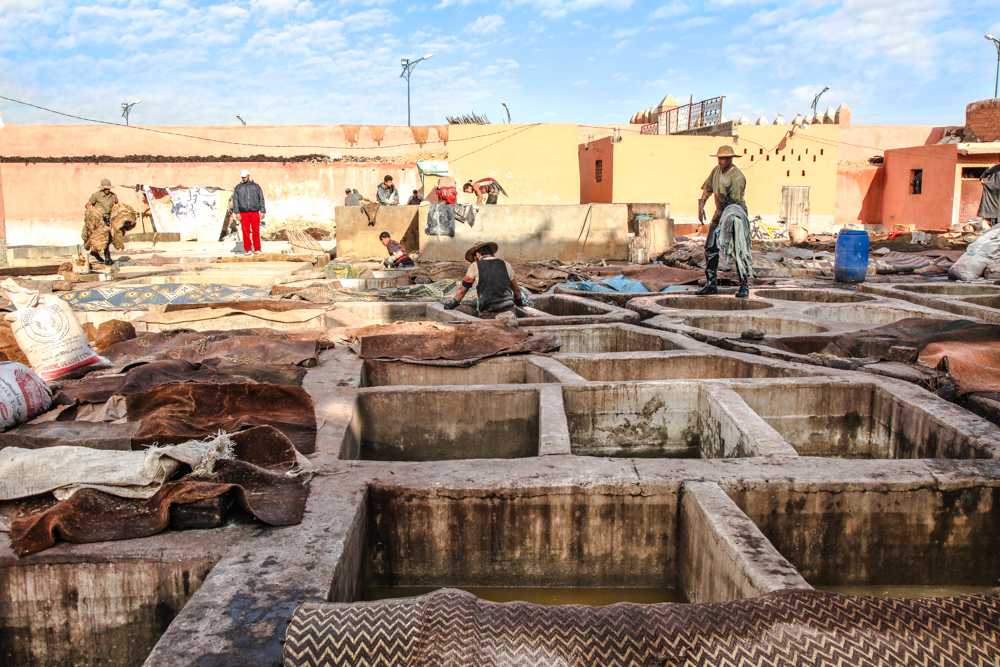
(744, 291)
(709, 288)
(107, 256)
(711, 276)
(97, 258)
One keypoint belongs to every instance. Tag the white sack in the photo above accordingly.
(968, 267)
(23, 395)
(47, 331)
(65, 470)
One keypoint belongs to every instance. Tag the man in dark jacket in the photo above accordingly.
(387, 194)
(496, 285)
(248, 202)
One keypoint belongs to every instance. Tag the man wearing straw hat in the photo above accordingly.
(496, 285)
(728, 184)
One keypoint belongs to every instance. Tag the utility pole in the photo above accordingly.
(408, 66)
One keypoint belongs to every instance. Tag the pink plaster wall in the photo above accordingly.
(45, 201)
(271, 141)
(858, 143)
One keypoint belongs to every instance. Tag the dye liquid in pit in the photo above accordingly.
(595, 597)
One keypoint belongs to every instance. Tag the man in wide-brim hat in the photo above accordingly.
(728, 184)
(496, 284)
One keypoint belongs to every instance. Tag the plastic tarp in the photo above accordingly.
(623, 284)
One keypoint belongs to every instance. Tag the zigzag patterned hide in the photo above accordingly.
(451, 628)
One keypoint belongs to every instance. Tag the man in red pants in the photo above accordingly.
(248, 202)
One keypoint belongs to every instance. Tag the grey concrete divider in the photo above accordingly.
(729, 428)
(528, 233)
(553, 429)
(722, 555)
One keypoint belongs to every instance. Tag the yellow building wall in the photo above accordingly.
(536, 164)
(672, 169)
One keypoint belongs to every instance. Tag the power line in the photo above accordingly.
(326, 147)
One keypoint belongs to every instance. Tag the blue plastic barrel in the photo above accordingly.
(851, 263)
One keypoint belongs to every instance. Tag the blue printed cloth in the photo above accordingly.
(144, 296)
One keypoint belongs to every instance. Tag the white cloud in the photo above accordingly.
(675, 8)
(284, 7)
(486, 25)
(581, 82)
(555, 9)
(625, 32)
(698, 21)
(370, 19)
(507, 63)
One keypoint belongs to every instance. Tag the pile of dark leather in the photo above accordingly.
(166, 389)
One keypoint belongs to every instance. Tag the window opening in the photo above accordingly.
(916, 181)
(599, 171)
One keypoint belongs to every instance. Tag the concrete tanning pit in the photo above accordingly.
(771, 326)
(605, 338)
(878, 314)
(812, 295)
(988, 301)
(866, 420)
(105, 603)
(568, 306)
(565, 537)
(504, 370)
(387, 312)
(567, 544)
(710, 303)
(665, 420)
(897, 532)
(683, 366)
(949, 289)
(443, 424)
(554, 309)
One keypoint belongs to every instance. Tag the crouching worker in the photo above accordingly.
(398, 257)
(496, 285)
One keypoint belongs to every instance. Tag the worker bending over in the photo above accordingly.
(488, 187)
(97, 236)
(398, 257)
(728, 184)
(496, 285)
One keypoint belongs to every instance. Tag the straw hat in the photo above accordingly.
(105, 184)
(726, 151)
(470, 254)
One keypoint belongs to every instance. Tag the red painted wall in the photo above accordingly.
(934, 207)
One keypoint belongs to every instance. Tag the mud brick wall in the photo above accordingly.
(983, 118)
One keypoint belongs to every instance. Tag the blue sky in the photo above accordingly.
(584, 61)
